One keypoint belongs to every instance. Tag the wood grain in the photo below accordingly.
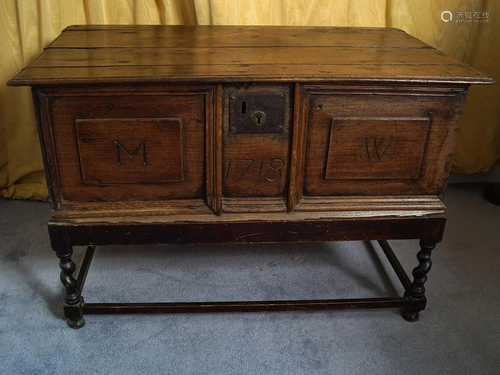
(128, 151)
(256, 164)
(297, 154)
(112, 54)
(194, 209)
(253, 205)
(230, 36)
(416, 205)
(256, 229)
(402, 74)
(368, 148)
(213, 149)
(91, 104)
(442, 107)
(215, 56)
(42, 112)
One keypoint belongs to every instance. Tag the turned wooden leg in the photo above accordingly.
(72, 295)
(492, 193)
(416, 292)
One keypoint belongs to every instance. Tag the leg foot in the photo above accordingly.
(74, 316)
(410, 316)
(492, 193)
(416, 291)
(76, 324)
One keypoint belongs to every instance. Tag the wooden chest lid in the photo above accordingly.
(118, 54)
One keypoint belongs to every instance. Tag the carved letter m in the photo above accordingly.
(131, 154)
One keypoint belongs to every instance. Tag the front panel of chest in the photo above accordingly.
(378, 141)
(246, 147)
(123, 144)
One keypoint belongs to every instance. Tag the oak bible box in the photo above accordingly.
(225, 134)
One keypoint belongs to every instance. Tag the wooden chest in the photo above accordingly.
(190, 134)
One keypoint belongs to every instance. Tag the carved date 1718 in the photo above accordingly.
(272, 171)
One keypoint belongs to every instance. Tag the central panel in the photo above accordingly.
(256, 143)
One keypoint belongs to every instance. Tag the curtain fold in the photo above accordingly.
(27, 26)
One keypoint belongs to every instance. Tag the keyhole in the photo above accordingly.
(258, 118)
(243, 107)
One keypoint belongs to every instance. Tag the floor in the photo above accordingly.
(458, 333)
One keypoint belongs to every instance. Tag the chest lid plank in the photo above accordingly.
(114, 54)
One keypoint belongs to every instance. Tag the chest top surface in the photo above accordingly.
(117, 54)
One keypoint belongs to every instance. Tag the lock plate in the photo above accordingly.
(256, 113)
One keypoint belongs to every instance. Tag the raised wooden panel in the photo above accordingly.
(171, 124)
(127, 151)
(378, 140)
(376, 148)
(256, 164)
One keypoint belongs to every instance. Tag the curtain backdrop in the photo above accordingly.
(27, 26)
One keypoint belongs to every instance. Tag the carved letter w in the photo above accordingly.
(377, 148)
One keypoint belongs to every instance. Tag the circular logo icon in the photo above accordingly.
(447, 19)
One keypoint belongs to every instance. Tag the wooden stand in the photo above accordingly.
(412, 302)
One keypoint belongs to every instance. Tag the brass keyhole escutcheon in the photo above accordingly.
(258, 118)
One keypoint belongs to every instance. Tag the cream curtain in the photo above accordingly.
(26, 26)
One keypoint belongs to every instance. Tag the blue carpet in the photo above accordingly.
(458, 333)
